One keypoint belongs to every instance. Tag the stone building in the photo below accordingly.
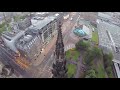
(31, 41)
(37, 36)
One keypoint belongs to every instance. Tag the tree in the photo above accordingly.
(81, 45)
(88, 57)
(77, 46)
(108, 59)
(108, 64)
(110, 56)
(108, 69)
(91, 74)
(93, 54)
(96, 53)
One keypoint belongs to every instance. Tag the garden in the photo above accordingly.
(72, 54)
(95, 37)
(71, 70)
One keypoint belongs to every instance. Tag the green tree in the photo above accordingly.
(110, 56)
(108, 69)
(91, 74)
(108, 59)
(88, 57)
(81, 45)
(96, 53)
(93, 54)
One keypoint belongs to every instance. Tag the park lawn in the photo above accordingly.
(73, 54)
(95, 37)
(71, 70)
(68, 54)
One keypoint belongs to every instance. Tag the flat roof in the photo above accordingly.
(115, 34)
(104, 15)
(41, 23)
(10, 34)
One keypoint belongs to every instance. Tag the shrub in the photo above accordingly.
(90, 74)
(108, 64)
(81, 45)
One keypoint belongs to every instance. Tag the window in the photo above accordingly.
(45, 35)
(50, 30)
(53, 27)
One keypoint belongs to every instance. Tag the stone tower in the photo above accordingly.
(59, 66)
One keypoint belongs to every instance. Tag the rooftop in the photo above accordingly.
(104, 39)
(104, 15)
(38, 24)
(11, 34)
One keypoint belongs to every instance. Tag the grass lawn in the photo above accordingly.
(71, 70)
(95, 36)
(74, 54)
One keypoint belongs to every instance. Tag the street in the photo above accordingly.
(7, 58)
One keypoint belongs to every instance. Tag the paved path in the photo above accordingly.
(69, 46)
(79, 68)
(72, 62)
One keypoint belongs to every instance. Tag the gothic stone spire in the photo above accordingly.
(59, 67)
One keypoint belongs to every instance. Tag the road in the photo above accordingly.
(7, 58)
(45, 67)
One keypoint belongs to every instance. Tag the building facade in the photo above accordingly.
(37, 36)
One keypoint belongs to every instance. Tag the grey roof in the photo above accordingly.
(11, 43)
(104, 15)
(41, 23)
(11, 34)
